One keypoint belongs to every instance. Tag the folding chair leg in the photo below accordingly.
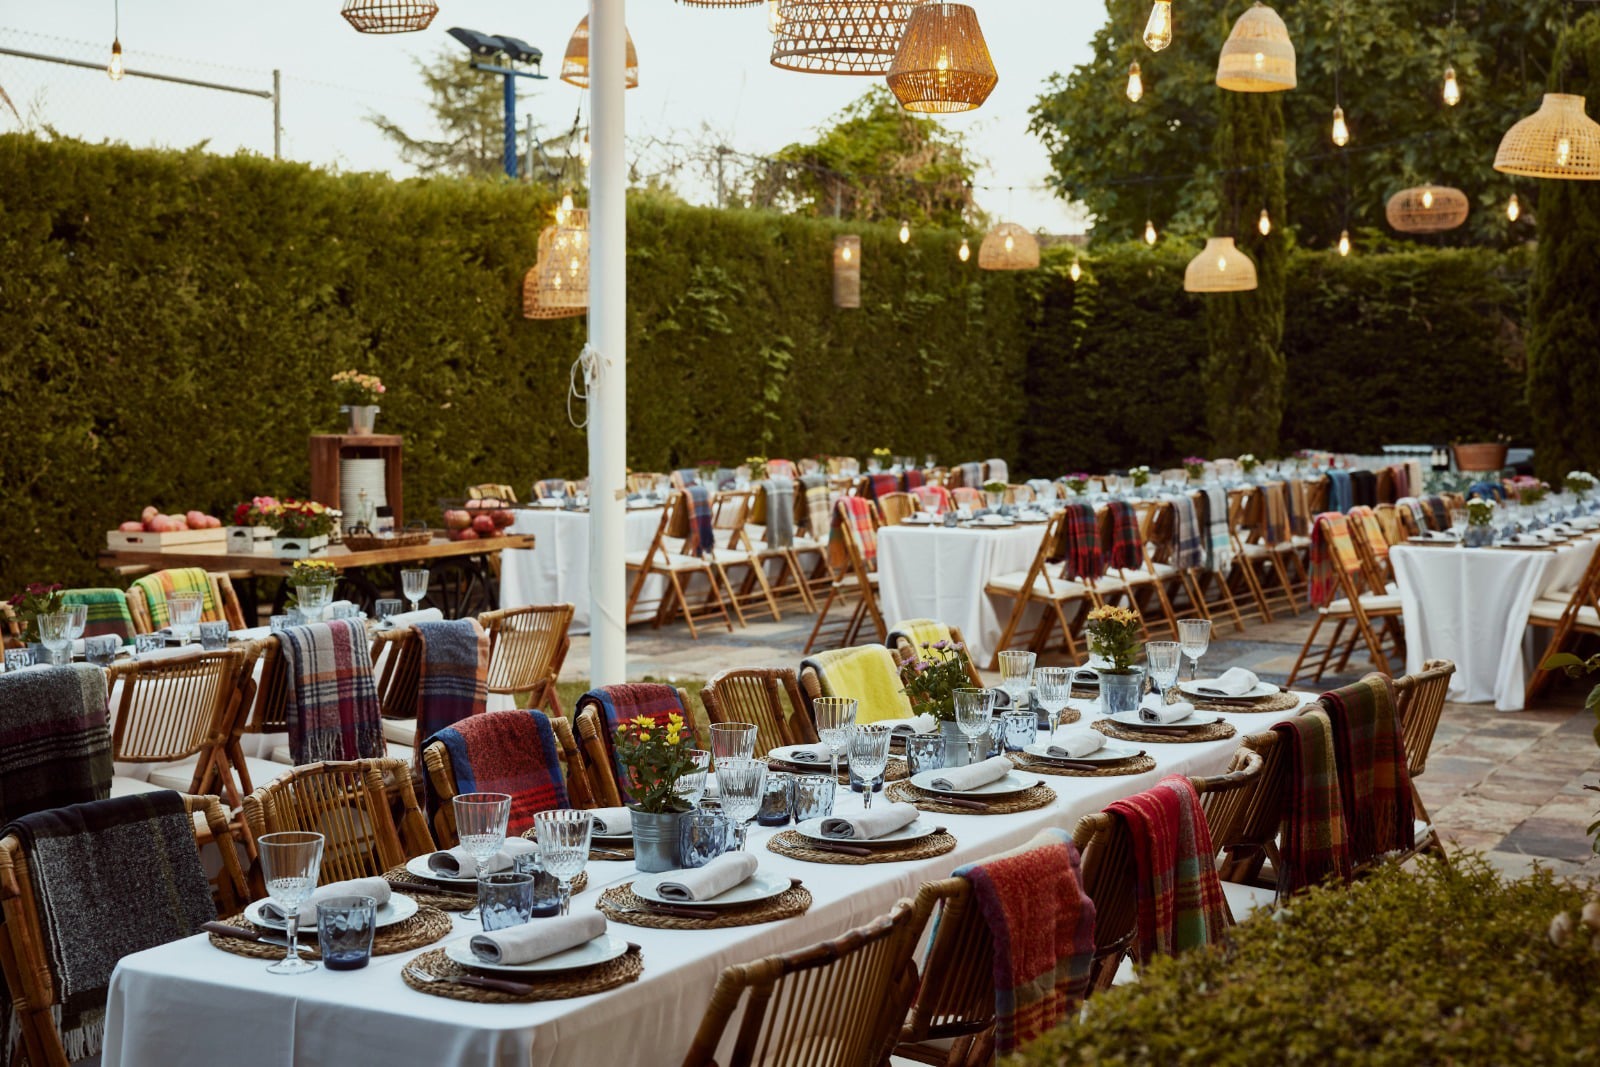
(1333, 643)
(1294, 672)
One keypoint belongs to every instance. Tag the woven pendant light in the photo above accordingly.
(1427, 209)
(558, 285)
(1258, 56)
(943, 64)
(1220, 268)
(1559, 140)
(839, 36)
(1008, 247)
(847, 271)
(575, 64)
(389, 16)
(722, 3)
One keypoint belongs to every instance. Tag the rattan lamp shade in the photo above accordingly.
(1427, 209)
(558, 285)
(1559, 140)
(1008, 247)
(943, 64)
(1258, 56)
(575, 64)
(388, 16)
(847, 271)
(722, 3)
(839, 36)
(1220, 268)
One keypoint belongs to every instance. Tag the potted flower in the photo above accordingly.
(1580, 483)
(250, 524)
(300, 528)
(758, 467)
(1248, 463)
(1488, 457)
(1194, 467)
(930, 680)
(1140, 476)
(39, 598)
(358, 397)
(653, 756)
(879, 460)
(1480, 517)
(1114, 641)
(1530, 491)
(1078, 482)
(995, 494)
(306, 574)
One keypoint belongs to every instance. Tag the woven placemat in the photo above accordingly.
(603, 853)
(452, 901)
(1132, 765)
(424, 928)
(560, 986)
(895, 771)
(621, 904)
(1036, 797)
(1214, 731)
(1276, 702)
(792, 843)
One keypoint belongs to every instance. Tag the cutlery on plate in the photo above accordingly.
(958, 802)
(239, 932)
(436, 890)
(616, 854)
(664, 909)
(498, 985)
(840, 847)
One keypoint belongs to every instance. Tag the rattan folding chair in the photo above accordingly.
(966, 496)
(442, 779)
(574, 766)
(665, 559)
(1035, 587)
(856, 578)
(1243, 821)
(757, 694)
(1419, 700)
(527, 647)
(951, 1021)
(599, 759)
(1110, 878)
(1356, 606)
(397, 661)
(222, 594)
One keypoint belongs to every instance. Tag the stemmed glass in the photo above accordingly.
(869, 755)
(1055, 690)
(974, 709)
(79, 620)
(481, 829)
(733, 740)
(1163, 659)
(53, 630)
(836, 719)
(1016, 675)
(740, 783)
(563, 837)
(1458, 522)
(1194, 635)
(183, 614)
(290, 863)
(691, 785)
(414, 583)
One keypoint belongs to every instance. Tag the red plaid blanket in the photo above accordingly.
(333, 701)
(934, 498)
(454, 681)
(1373, 779)
(1331, 551)
(702, 539)
(1125, 549)
(881, 485)
(1315, 843)
(1080, 542)
(858, 513)
(511, 752)
(619, 703)
(914, 480)
(1179, 894)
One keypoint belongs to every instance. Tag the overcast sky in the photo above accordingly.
(699, 67)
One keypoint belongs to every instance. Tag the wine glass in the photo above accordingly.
(1163, 659)
(80, 620)
(53, 630)
(1055, 690)
(414, 583)
(1194, 635)
(290, 863)
(733, 740)
(740, 783)
(974, 708)
(836, 718)
(481, 829)
(691, 785)
(563, 837)
(1016, 675)
(183, 614)
(869, 755)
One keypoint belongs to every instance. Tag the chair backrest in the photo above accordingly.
(1419, 699)
(1244, 807)
(552, 488)
(903, 641)
(172, 708)
(348, 803)
(1331, 535)
(1019, 494)
(839, 1003)
(397, 671)
(107, 611)
(856, 520)
(1371, 546)
(966, 496)
(756, 694)
(1110, 878)
(224, 601)
(597, 759)
(527, 646)
(896, 507)
(956, 997)
(642, 481)
(522, 762)
(870, 673)
(1391, 523)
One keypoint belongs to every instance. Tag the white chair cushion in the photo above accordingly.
(400, 731)
(1243, 899)
(281, 755)
(1371, 603)
(1058, 589)
(1550, 610)
(666, 561)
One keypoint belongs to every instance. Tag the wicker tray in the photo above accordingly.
(1216, 731)
(621, 904)
(1132, 765)
(793, 844)
(906, 793)
(424, 928)
(369, 542)
(562, 985)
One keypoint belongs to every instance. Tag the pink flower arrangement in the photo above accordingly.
(253, 512)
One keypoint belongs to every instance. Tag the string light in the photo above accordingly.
(1452, 88)
(905, 231)
(114, 68)
(1344, 242)
(1341, 132)
(585, 153)
(964, 253)
(1158, 31)
(564, 210)
(1135, 82)
(1149, 232)
(1075, 271)
(1264, 223)
(1513, 208)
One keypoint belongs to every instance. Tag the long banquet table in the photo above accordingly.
(558, 572)
(188, 1003)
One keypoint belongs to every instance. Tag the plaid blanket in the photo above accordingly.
(780, 468)
(511, 752)
(454, 681)
(971, 475)
(1219, 541)
(1331, 550)
(108, 613)
(158, 586)
(1419, 514)
(914, 479)
(995, 470)
(817, 503)
(333, 701)
(1294, 498)
(1275, 512)
(1495, 491)
(1125, 549)
(1315, 842)
(934, 498)
(1341, 497)
(1364, 488)
(1402, 480)
(1365, 521)
(1179, 894)
(619, 703)
(1389, 526)
(554, 487)
(112, 878)
(688, 475)
(1371, 756)
(55, 748)
(702, 539)
(1042, 924)
(858, 513)
(777, 494)
(882, 484)
(1438, 511)
(1080, 542)
(1189, 550)
(867, 673)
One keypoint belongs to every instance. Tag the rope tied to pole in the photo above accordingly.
(589, 366)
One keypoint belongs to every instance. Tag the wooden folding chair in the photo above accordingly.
(1356, 606)
(527, 647)
(756, 694)
(1264, 561)
(855, 577)
(222, 595)
(1575, 614)
(1019, 494)
(1035, 586)
(442, 779)
(1133, 585)
(897, 507)
(1419, 700)
(1210, 589)
(734, 550)
(665, 559)
(791, 581)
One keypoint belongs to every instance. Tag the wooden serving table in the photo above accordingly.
(464, 580)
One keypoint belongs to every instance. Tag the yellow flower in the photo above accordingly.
(644, 720)
(644, 735)
(674, 719)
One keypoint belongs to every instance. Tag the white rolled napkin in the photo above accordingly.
(818, 753)
(375, 887)
(611, 822)
(407, 618)
(535, 940)
(705, 883)
(871, 823)
(1235, 682)
(1152, 710)
(961, 779)
(458, 863)
(920, 724)
(1075, 742)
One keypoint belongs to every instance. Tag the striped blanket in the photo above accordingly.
(934, 498)
(971, 475)
(1315, 843)
(1178, 892)
(1275, 512)
(1419, 514)
(1373, 779)
(511, 752)
(1125, 549)
(333, 708)
(1365, 521)
(618, 704)
(1341, 498)
(108, 614)
(869, 674)
(882, 484)
(816, 499)
(688, 475)
(914, 479)
(777, 495)
(1294, 495)
(1438, 511)
(158, 586)
(780, 468)
(1189, 548)
(454, 681)
(1219, 541)
(1042, 924)
(858, 513)
(55, 748)
(1331, 551)
(995, 470)
(1080, 541)
(702, 540)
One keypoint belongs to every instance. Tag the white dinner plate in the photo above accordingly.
(1197, 719)
(1012, 784)
(602, 949)
(781, 754)
(398, 908)
(1110, 752)
(1032, 517)
(763, 885)
(921, 520)
(1262, 689)
(984, 524)
(913, 831)
(418, 866)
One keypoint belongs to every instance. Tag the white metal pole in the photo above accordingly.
(608, 415)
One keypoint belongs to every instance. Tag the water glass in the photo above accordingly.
(702, 837)
(505, 900)
(1055, 690)
(733, 740)
(18, 658)
(345, 926)
(563, 837)
(741, 785)
(214, 635)
(813, 796)
(343, 609)
(1016, 675)
(481, 826)
(1458, 520)
(1020, 729)
(143, 643)
(775, 799)
(183, 614)
(313, 600)
(836, 720)
(387, 608)
(973, 710)
(1194, 635)
(53, 629)
(869, 755)
(290, 863)
(546, 887)
(280, 623)
(924, 752)
(414, 583)
(1163, 660)
(691, 786)
(101, 650)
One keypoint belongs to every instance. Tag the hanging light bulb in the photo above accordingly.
(1149, 232)
(1341, 132)
(114, 68)
(1563, 151)
(1452, 88)
(845, 254)
(1344, 242)
(1513, 208)
(964, 253)
(1158, 31)
(1427, 198)
(1135, 82)
(1264, 223)
(564, 210)
(1011, 243)
(1075, 271)
(774, 16)
(905, 231)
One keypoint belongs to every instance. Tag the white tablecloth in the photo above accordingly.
(189, 1003)
(556, 569)
(1471, 605)
(939, 573)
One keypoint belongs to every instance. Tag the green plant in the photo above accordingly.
(994, 487)
(355, 389)
(654, 756)
(1248, 462)
(1480, 511)
(312, 572)
(39, 598)
(1580, 483)
(1114, 637)
(1577, 668)
(1140, 476)
(932, 678)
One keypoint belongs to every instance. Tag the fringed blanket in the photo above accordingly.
(333, 707)
(55, 748)
(454, 681)
(1180, 899)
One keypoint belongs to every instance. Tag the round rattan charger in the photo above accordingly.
(1035, 797)
(447, 900)
(1213, 731)
(792, 843)
(1132, 765)
(562, 985)
(428, 925)
(1284, 701)
(621, 904)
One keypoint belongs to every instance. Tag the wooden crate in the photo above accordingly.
(144, 539)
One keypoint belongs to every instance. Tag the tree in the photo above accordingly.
(1128, 161)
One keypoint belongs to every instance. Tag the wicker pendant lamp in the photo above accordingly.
(943, 64)
(575, 64)
(722, 3)
(1008, 247)
(839, 36)
(389, 16)
(1220, 268)
(1427, 209)
(558, 285)
(1258, 56)
(1559, 140)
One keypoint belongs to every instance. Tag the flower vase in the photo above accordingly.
(1121, 692)
(655, 840)
(362, 418)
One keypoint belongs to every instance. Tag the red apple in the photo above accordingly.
(132, 527)
(456, 519)
(468, 534)
(213, 523)
(149, 513)
(474, 504)
(502, 518)
(196, 520)
(483, 524)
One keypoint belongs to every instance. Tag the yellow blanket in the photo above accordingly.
(869, 674)
(920, 632)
